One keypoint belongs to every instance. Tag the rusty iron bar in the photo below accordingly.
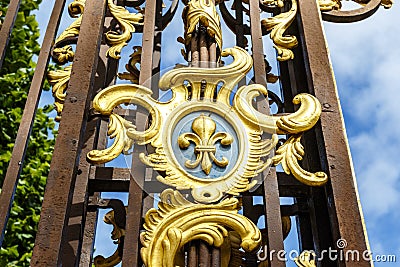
(131, 251)
(204, 254)
(257, 44)
(204, 56)
(91, 216)
(273, 219)
(21, 141)
(95, 138)
(61, 179)
(347, 211)
(7, 26)
(195, 58)
(193, 260)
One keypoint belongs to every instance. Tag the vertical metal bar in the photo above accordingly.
(21, 141)
(58, 195)
(213, 54)
(273, 218)
(134, 211)
(7, 26)
(194, 50)
(203, 48)
(257, 45)
(192, 255)
(271, 192)
(74, 233)
(333, 136)
(215, 257)
(204, 254)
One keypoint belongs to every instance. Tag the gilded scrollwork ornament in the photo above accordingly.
(205, 13)
(306, 259)
(238, 128)
(63, 53)
(178, 221)
(133, 71)
(127, 22)
(278, 25)
(59, 79)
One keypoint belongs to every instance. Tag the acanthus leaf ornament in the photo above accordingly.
(63, 53)
(278, 25)
(245, 123)
(131, 67)
(59, 80)
(127, 21)
(179, 221)
(288, 156)
(204, 12)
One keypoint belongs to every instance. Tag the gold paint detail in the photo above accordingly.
(306, 259)
(301, 120)
(59, 79)
(64, 54)
(248, 123)
(118, 128)
(116, 234)
(133, 72)
(328, 5)
(127, 21)
(289, 154)
(278, 26)
(204, 12)
(205, 138)
(178, 221)
(387, 3)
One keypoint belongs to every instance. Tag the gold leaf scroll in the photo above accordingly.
(306, 259)
(127, 21)
(59, 80)
(178, 221)
(202, 11)
(278, 25)
(296, 123)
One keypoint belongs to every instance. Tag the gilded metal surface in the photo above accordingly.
(116, 234)
(278, 25)
(329, 5)
(306, 259)
(289, 154)
(204, 12)
(133, 72)
(59, 80)
(178, 221)
(64, 54)
(247, 123)
(127, 21)
(205, 138)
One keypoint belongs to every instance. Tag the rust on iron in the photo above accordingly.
(21, 141)
(320, 81)
(63, 170)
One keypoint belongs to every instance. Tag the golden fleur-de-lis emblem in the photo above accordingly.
(205, 138)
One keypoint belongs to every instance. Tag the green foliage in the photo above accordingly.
(15, 78)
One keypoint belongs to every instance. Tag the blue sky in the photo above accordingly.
(365, 57)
